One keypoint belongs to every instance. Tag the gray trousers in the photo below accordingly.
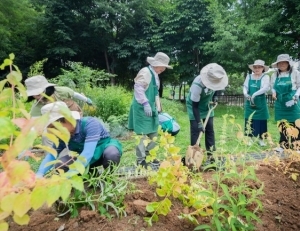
(141, 150)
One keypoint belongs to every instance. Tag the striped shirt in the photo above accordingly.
(94, 131)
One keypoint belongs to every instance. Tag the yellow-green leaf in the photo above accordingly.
(7, 202)
(173, 150)
(6, 128)
(47, 149)
(52, 138)
(11, 56)
(4, 215)
(65, 193)
(160, 192)
(2, 83)
(78, 166)
(53, 193)
(294, 176)
(62, 134)
(3, 226)
(7, 62)
(77, 183)
(22, 203)
(21, 220)
(37, 198)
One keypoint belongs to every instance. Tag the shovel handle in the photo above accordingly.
(211, 108)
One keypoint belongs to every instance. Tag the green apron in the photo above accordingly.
(101, 145)
(138, 121)
(205, 99)
(261, 109)
(284, 93)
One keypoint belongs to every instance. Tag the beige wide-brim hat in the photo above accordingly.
(258, 62)
(36, 85)
(282, 58)
(214, 77)
(159, 60)
(56, 111)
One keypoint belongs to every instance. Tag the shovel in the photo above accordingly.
(194, 154)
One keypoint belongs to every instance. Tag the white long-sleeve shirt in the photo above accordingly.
(142, 81)
(295, 78)
(264, 86)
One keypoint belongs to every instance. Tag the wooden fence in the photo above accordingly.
(231, 100)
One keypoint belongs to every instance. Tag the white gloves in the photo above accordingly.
(248, 97)
(148, 110)
(290, 103)
(293, 101)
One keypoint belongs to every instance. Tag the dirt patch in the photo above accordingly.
(281, 210)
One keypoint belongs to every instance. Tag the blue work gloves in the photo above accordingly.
(89, 101)
(200, 126)
(147, 109)
(296, 97)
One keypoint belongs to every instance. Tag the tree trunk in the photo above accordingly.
(180, 87)
(106, 61)
(161, 89)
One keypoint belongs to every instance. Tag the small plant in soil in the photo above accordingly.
(229, 198)
(103, 192)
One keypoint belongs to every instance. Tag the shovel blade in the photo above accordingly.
(194, 157)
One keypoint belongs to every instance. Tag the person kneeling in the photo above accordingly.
(88, 138)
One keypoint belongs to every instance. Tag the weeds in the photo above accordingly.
(103, 192)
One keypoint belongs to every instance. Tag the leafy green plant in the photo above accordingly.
(37, 68)
(103, 192)
(82, 77)
(20, 189)
(110, 101)
(230, 197)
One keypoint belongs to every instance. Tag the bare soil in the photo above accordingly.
(281, 203)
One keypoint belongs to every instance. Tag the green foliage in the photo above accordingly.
(82, 77)
(20, 189)
(104, 193)
(230, 197)
(110, 101)
(37, 68)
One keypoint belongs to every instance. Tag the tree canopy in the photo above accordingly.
(117, 36)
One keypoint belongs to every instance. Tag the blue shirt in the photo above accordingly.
(93, 132)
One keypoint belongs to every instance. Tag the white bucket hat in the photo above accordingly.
(36, 85)
(282, 58)
(58, 110)
(159, 60)
(214, 77)
(258, 62)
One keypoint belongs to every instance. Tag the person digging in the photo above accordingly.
(202, 92)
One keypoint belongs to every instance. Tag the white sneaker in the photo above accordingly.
(278, 149)
(261, 143)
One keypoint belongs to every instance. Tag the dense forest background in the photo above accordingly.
(118, 35)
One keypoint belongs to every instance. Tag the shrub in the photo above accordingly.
(110, 101)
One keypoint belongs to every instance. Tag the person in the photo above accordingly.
(36, 85)
(143, 115)
(168, 123)
(88, 138)
(254, 89)
(212, 78)
(285, 85)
